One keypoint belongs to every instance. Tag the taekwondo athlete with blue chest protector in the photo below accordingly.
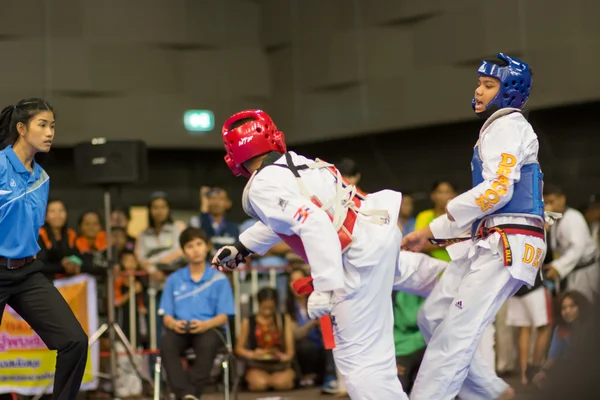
(503, 214)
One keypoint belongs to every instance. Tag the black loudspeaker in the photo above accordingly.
(111, 162)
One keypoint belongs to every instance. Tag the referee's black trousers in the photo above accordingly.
(39, 303)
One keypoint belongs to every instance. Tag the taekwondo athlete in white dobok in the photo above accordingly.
(504, 215)
(575, 251)
(350, 240)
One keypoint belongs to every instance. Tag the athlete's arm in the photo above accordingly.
(275, 197)
(259, 238)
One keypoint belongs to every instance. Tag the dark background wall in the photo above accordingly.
(408, 161)
(323, 68)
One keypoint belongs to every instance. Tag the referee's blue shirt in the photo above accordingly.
(23, 200)
(186, 299)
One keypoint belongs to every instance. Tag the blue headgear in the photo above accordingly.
(515, 82)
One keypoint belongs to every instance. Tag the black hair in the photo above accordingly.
(23, 112)
(53, 200)
(582, 303)
(153, 197)
(550, 189)
(192, 233)
(268, 293)
(122, 210)
(436, 184)
(215, 190)
(347, 167)
(96, 213)
(124, 252)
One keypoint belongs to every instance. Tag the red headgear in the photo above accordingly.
(257, 136)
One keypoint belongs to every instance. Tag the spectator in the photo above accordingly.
(406, 220)
(157, 246)
(214, 204)
(120, 240)
(266, 341)
(119, 218)
(196, 300)
(441, 192)
(349, 170)
(570, 238)
(574, 310)
(313, 359)
(57, 243)
(128, 263)
(91, 244)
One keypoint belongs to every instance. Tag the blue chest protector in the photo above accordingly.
(527, 197)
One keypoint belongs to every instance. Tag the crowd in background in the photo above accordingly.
(280, 346)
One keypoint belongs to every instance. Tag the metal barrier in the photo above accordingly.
(239, 300)
(242, 299)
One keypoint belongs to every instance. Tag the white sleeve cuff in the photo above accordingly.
(443, 228)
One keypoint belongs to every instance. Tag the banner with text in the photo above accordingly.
(26, 364)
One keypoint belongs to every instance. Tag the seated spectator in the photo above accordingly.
(266, 341)
(574, 310)
(315, 362)
(57, 243)
(91, 243)
(128, 263)
(119, 218)
(157, 245)
(214, 204)
(196, 300)
(120, 240)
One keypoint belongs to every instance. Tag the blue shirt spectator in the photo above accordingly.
(186, 299)
(196, 299)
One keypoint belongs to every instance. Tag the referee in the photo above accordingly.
(27, 129)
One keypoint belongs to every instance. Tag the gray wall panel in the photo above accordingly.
(323, 68)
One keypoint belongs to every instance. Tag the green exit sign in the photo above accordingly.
(199, 120)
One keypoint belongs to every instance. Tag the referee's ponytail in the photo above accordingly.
(22, 113)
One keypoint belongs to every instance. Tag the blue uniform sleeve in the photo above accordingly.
(167, 300)
(224, 303)
(556, 346)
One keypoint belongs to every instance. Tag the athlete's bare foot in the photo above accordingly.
(507, 395)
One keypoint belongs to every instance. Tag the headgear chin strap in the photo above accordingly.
(515, 83)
